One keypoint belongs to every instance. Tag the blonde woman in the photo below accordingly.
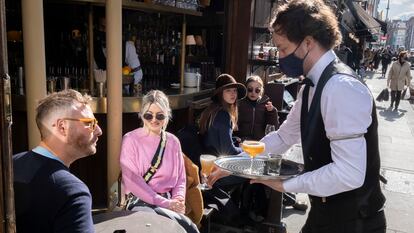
(161, 189)
(256, 111)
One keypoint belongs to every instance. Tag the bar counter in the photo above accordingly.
(178, 98)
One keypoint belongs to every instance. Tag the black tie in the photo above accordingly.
(307, 82)
(305, 99)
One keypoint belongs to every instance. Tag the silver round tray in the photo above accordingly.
(240, 166)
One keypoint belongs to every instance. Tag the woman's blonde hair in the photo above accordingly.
(159, 98)
(255, 78)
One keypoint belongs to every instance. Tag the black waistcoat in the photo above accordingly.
(317, 152)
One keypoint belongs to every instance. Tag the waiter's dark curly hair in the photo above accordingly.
(300, 18)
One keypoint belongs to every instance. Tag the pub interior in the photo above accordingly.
(182, 46)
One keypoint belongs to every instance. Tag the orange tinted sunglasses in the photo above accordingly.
(91, 121)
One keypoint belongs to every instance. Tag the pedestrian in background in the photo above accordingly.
(377, 59)
(398, 77)
(386, 57)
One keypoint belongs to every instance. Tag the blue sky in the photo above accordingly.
(399, 9)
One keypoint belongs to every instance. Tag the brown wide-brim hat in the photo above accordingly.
(225, 81)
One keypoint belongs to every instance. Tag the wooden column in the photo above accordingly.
(237, 38)
(91, 59)
(183, 52)
(114, 86)
(7, 215)
(34, 62)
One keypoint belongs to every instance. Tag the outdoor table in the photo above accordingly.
(243, 166)
(131, 221)
(273, 221)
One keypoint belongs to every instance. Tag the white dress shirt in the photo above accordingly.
(131, 58)
(346, 106)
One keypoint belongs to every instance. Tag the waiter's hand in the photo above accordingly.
(216, 174)
(274, 184)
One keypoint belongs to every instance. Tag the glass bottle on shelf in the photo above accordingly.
(261, 51)
(51, 80)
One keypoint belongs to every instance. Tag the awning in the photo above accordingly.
(370, 23)
(348, 21)
(383, 25)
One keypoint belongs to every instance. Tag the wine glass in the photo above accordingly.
(269, 128)
(253, 148)
(207, 163)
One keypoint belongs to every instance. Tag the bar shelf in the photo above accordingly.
(132, 5)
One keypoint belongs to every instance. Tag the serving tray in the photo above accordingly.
(240, 166)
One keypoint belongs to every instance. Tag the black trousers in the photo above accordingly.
(322, 222)
(384, 68)
(395, 97)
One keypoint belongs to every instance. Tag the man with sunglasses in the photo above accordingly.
(48, 197)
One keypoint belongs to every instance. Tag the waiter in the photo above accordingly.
(335, 119)
(130, 56)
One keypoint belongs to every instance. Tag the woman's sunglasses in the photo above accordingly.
(159, 116)
(257, 90)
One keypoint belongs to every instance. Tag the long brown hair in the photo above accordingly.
(210, 113)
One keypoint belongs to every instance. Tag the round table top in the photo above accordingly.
(131, 221)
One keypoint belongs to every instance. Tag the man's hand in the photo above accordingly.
(216, 174)
(273, 184)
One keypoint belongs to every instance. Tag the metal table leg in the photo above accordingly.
(273, 222)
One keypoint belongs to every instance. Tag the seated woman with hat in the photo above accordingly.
(218, 121)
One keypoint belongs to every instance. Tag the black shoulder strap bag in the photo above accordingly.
(131, 199)
(157, 159)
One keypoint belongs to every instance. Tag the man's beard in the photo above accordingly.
(82, 145)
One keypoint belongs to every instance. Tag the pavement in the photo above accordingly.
(396, 140)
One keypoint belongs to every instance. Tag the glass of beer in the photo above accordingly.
(253, 148)
(207, 164)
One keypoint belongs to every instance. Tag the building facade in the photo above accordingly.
(397, 31)
(409, 40)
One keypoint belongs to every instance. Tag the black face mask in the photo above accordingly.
(291, 65)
